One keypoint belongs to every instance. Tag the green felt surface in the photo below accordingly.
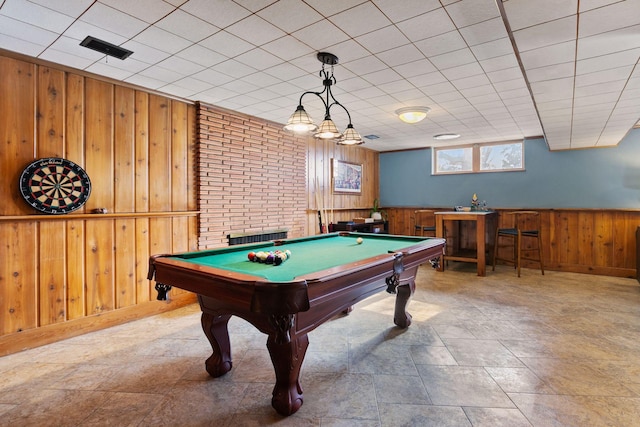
(308, 255)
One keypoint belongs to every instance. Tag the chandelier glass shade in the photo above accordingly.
(301, 122)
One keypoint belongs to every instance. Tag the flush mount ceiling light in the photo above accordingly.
(301, 122)
(446, 136)
(412, 114)
(105, 47)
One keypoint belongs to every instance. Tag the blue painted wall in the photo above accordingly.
(590, 178)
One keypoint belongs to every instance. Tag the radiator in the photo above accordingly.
(261, 236)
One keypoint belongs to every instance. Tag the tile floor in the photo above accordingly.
(555, 350)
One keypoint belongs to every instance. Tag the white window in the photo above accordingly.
(488, 157)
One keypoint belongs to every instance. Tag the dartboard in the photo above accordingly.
(55, 186)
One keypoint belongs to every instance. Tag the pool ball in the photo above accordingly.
(359, 240)
(269, 259)
(277, 260)
(288, 252)
(251, 256)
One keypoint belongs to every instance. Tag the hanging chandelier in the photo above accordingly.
(301, 122)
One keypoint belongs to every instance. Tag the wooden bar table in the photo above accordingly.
(486, 223)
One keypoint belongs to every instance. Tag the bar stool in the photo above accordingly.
(526, 225)
(424, 222)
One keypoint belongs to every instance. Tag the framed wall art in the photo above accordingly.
(347, 177)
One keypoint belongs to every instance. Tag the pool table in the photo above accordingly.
(325, 275)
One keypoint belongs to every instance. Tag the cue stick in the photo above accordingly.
(319, 206)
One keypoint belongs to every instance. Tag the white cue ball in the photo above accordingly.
(359, 240)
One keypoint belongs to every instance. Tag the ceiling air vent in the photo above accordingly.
(105, 47)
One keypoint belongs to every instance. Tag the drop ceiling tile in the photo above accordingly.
(149, 11)
(201, 55)
(20, 46)
(382, 77)
(383, 39)
(463, 71)
(586, 5)
(347, 50)
(79, 30)
(611, 17)
(263, 80)
(38, 16)
(499, 63)
(192, 84)
(177, 90)
(220, 13)
(64, 58)
(259, 58)
(217, 94)
(546, 34)
(212, 77)
(473, 81)
(510, 84)
(415, 68)
(484, 32)
(549, 55)
(72, 47)
(413, 97)
(595, 100)
(599, 63)
(287, 48)
(148, 82)
(525, 13)
(477, 91)
(144, 53)
(399, 11)
(176, 63)
(365, 65)
(234, 68)
(328, 8)
(291, 15)
(610, 42)
(441, 43)
(286, 72)
(469, 12)
(427, 25)
(499, 47)
(226, 44)
(351, 21)
(320, 35)
(438, 88)
(427, 79)
(26, 32)
(105, 69)
(70, 8)
(187, 26)
(255, 30)
(113, 20)
(162, 40)
(550, 72)
(505, 75)
(605, 76)
(521, 93)
(453, 59)
(400, 55)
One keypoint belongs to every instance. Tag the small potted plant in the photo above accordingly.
(376, 213)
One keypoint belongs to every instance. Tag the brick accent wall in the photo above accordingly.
(252, 176)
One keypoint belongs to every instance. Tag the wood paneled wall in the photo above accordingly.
(592, 241)
(339, 207)
(58, 272)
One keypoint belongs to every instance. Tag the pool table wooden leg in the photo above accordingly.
(215, 328)
(404, 292)
(287, 360)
